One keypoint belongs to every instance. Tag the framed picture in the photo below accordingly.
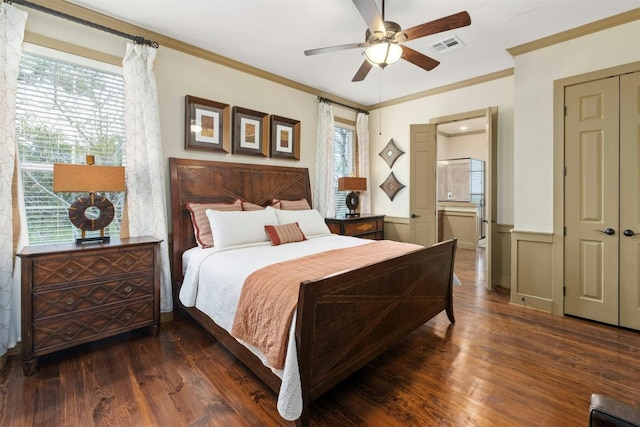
(285, 138)
(250, 132)
(207, 125)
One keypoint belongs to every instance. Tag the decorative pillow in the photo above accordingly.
(291, 205)
(286, 233)
(240, 228)
(310, 221)
(248, 206)
(201, 227)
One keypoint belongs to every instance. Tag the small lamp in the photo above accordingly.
(352, 184)
(91, 212)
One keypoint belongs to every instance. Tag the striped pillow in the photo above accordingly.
(286, 233)
(200, 221)
(291, 205)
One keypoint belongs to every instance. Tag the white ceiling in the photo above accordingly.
(273, 34)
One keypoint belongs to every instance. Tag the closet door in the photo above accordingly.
(591, 200)
(630, 200)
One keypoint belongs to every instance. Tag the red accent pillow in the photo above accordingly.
(286, 233)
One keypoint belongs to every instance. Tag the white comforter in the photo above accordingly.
(213, 280)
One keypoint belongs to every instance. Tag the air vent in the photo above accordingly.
(447, 45)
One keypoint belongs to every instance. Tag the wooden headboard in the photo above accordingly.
(202, 181)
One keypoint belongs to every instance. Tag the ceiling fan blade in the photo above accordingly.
(460, 19)
(362, 71)
(334, 48)
(369, 12)
(419, 59)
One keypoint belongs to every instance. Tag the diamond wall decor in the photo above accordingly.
(390, 153)
(391, 186)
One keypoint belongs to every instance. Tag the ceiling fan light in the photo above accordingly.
(383, 54)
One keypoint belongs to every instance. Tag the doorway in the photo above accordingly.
(424, 146)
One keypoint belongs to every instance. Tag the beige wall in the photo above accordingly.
(394, 121)
(179, 74)
(535, 73)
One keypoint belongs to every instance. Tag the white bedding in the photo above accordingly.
(224, 275)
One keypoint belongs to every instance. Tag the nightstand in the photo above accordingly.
(74, 294)
(365, 226)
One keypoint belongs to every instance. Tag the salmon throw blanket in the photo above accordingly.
(270, 295)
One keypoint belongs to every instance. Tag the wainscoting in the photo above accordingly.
(502, 248)
(396, 228)
(531, 270)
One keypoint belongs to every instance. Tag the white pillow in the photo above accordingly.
(310, 221)
(233, 228)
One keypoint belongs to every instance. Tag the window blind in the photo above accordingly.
(65, 111)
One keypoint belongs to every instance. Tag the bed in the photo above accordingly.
(327, 343)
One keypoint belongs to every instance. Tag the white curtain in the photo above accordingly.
(323, 193)
(146, 198)
(362, 134)
(12, 24)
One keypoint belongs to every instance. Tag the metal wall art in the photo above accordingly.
(390, 153)
(391, 186)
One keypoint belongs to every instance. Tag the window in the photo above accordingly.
(344, 163)
(65, 109)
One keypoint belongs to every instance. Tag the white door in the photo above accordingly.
(422, 185)
(630, 200)
(602, 201)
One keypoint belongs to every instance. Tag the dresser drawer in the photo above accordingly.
(67, 299)
(360, 227)
(49, 270)
(66, 331)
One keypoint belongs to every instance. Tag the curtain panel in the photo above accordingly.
(323, 197)
(362, 134)
(12, 25)
(146, 196)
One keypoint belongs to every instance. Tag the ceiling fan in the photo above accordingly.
(383, 39)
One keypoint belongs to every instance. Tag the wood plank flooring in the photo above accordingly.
(498, 365)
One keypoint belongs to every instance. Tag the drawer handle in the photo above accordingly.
(128, 316)
(70, 331)
(128, 289)
(128, 262)
(70, 301)
(69, 271)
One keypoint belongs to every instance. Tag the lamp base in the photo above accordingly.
(352, 214)
(97, 239)
(352, 202)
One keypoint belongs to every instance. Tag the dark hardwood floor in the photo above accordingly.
(498, 365)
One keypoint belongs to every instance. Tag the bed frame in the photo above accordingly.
(343, 322)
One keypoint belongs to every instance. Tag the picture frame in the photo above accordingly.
(285, 138)
(207, 125)
(250, 132)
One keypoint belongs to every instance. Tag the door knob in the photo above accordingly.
(628, 232)
(608, 231)
(414, 216)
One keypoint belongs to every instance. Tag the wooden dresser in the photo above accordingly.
(74, 294)
(365, 226)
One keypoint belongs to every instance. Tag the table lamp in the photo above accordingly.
(353, 185)
(91, 212)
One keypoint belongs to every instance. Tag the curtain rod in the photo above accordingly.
(135, 39)
(329, 101)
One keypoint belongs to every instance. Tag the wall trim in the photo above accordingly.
(584, 30)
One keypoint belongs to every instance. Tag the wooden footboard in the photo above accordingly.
(345, 321)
